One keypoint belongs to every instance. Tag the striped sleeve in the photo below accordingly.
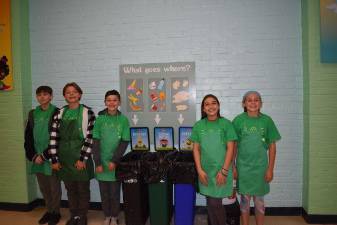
(88, 141)
(54, 138)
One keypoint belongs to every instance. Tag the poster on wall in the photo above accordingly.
(6, 71)
(185, 142)
(163, 138)
(139, 138)
(159, 95)
(328, 11)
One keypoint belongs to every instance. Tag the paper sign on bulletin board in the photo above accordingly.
(6, 72)
(159, 95)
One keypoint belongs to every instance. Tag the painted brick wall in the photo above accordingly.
(320, 156)
(16, 185)
(238, 45)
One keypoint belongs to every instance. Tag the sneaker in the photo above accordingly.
(82, 221)
(73, 220)
(54, 218)
(113, 221)
(45, 218)
(106, 221)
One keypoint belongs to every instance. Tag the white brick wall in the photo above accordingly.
(238, 45)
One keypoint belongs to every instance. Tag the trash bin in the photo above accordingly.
(135, 191)
(183, 174)
(160, 188)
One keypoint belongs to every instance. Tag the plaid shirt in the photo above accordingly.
(88, 118)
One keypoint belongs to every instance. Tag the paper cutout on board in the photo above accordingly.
(180, 94)
(135, 95)
(157, 95)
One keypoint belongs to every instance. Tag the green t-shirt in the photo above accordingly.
(110, 130)
(221, 126)
(255, 135)
(71, 114)
(41, 136)
(74, 114)
(119, 122)
(263, 125)
(213, 136)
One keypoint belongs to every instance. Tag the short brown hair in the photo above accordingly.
(74, 85)
(113, 92)
(46, 89)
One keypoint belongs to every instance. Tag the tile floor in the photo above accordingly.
(96, 217)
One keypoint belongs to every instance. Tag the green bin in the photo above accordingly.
(160, 188)
(160, 200)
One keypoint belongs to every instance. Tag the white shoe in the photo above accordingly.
(106, 221)
(113, 221)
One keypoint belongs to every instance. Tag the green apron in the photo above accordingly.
(69, 151)
(252, 163)
(41, 137)
(110, 136)
(213, 152)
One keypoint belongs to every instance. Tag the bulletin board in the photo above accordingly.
(6, 71)
(159, 95)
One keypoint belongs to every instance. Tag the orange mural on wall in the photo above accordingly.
(6, 71)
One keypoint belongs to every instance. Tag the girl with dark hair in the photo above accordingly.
(213, 138)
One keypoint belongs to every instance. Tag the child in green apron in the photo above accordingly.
(213, 138)
(256, 150)
(36, 147)
(111, 137)
(70, 148)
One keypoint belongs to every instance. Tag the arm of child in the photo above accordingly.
(97, 156)
(53, 142)
(221, 176)
(201, 173)
(88, 141)
(118, 155)
(235, 152)
(270, 170)
(29, 139)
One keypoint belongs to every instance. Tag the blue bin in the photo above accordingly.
(184, 204)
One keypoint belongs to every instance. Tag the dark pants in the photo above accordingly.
(110, 196)
(78, 193)
(50, 187)
(216, 212)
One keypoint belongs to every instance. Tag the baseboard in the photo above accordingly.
(23, 207)
(283, 211)
(322, 219)
(270, 211)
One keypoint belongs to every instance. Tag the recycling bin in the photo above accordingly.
(135, 190)
(160, 188)
(183, 174)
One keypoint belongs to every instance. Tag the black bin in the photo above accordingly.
(135, 191)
